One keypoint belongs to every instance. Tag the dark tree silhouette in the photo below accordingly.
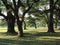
(9, 18)
(50, 24)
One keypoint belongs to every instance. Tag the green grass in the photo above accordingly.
(32, 37)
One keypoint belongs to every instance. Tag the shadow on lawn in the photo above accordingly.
(25, 42)
(30, 39)
(47, 34)
(5, 33)
(35, 34)
(43, 34)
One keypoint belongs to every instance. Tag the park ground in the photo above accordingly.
(31, 37)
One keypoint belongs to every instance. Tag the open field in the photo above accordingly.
(32, 37)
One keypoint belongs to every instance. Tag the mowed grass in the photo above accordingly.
(32, 37)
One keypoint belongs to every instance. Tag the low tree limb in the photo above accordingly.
(3, 15)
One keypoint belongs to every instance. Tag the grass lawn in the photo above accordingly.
(32, 37)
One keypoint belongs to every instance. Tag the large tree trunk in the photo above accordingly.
(50, 28)
(50, 24)
(20, 29)
(11, 24)
(19, 24)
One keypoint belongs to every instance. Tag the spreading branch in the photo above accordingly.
(29, 7)
(7, 5)
(56, 2)
(20, 4)
(14, 3)
(3, 15)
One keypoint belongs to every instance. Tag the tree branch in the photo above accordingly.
(14, 3)
(29, 7)
(3, 15)
(7, 5)
(56, 2)
(26, 11)
(4, 2)
(20, 4)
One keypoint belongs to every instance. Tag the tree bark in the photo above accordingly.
(11, 23)
(11, 26)
(20, 29)
(50, 24)
(50, 29)
(19, 22)
(10, 18)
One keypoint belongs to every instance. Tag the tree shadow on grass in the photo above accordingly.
(30, 39)
(56, 34)
(6, 34)
(25, 42)
(47, 34)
